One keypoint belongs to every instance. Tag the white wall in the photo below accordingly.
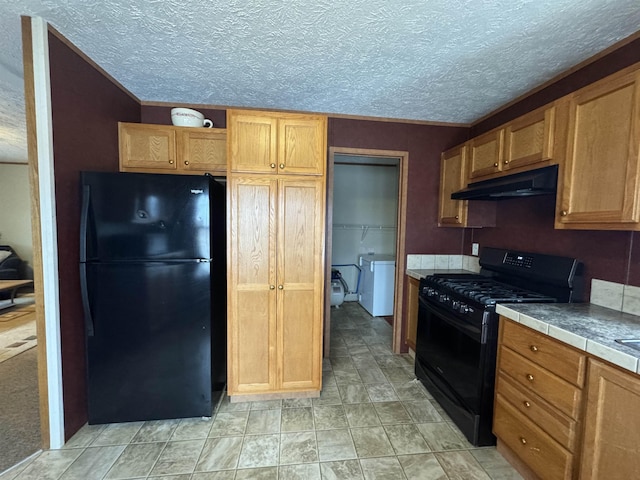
(363, 195)
(15, 209)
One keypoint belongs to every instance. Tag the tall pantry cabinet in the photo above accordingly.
(276, 185)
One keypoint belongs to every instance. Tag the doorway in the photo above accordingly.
(365, 229)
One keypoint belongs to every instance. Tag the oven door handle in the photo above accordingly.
(443, 315)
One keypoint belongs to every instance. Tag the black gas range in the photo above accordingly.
(458, 327)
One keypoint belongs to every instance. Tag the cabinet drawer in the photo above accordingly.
(559, 426)
(546, 457)
(558, 392)
(556, 357)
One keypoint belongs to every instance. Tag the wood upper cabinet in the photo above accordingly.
(412, 312)
(519, 145)
(529, 139)
(276, 283)
(282, 143)
(168, 149)
(611, 443)
(485, 154)
(600, 188)
(453, 176)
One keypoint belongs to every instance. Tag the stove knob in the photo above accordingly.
(463, 308)
(455, 305)
(444, 297)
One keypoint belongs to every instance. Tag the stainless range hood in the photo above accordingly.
(541, 181)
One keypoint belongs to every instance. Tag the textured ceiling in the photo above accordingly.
(435, 60)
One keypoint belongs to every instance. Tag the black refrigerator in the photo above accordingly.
(153, 286)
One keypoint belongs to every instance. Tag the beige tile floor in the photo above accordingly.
(373, 420)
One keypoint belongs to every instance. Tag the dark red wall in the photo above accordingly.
(86, 107)
(527, 223)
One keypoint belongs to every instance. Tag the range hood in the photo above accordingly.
(541, 181)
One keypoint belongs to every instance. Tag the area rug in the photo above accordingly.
(17, 331)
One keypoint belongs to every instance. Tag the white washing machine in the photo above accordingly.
(377, 284)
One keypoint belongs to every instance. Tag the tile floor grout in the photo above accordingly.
(370, 422)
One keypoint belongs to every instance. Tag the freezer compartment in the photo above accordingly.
(132, 216)
(378, 284)
(149, 341)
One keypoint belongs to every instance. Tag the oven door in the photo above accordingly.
(453, 359)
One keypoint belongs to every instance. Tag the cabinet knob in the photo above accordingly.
(272, 287)
(280, 287)
(495, 164)
(527, 404)
(523, 440)
(170, 162)
(563, 213)
(186, 162)
(506, 162)
(533, 348)
(282, 165)
(529, 377)
(457, 217)
(273, 165)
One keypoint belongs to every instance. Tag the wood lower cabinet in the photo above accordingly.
(150, 148)
(601, 179)
(611, 442)
(412, 311)
(277, 143)
(537, 412)
(276, 284)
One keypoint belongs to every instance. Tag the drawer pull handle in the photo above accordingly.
(529, 377)
(533, 348)
(527, 404)
(523, 440)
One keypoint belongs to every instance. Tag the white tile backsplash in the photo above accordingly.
(428, 262)
(413, 262)
(607, 294)
(631, 300)
(455, 262)
(442, 262)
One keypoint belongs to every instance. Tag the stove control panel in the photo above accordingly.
(518, 260)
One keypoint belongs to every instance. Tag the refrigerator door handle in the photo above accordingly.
(84, 219)
(88, 318)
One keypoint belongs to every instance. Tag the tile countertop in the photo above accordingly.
(584, 326)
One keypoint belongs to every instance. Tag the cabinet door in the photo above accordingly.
(453, 175)
(529, 139)
(601, 171)
(147, 147)
(300, 282)
(204, 150)
(485, 154)
(611, 442)
(302, 145)
(412, 312)
(251, 289)
(252, 142)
